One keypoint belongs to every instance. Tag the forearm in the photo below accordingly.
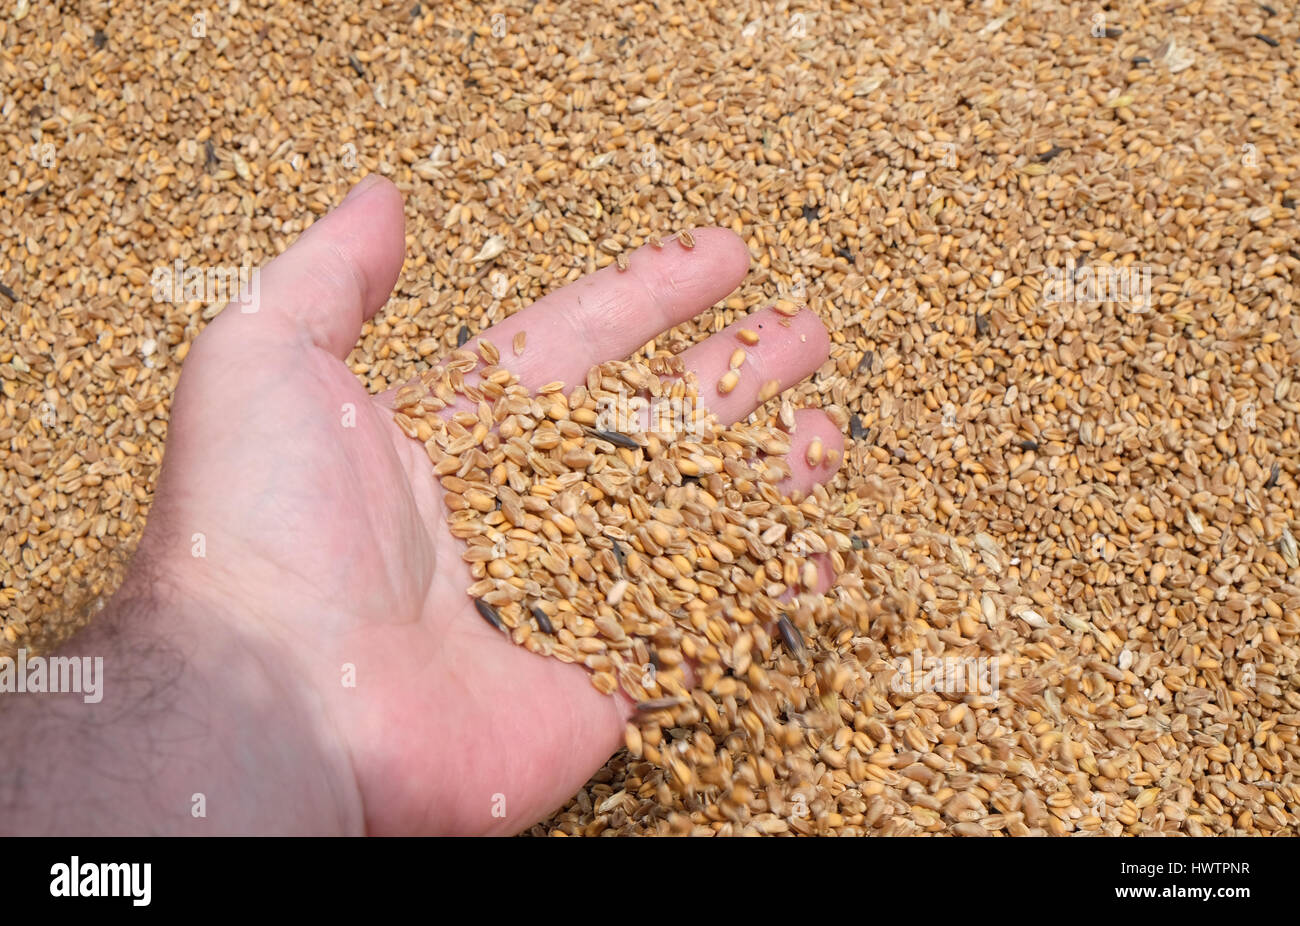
(198, 729)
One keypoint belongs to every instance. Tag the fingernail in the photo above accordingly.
(369, 181)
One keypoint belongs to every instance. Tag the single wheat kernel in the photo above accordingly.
(543, 619)
(616, 593)
(786, 307)
(621, 260)
(489, 614)
(520, 339)
(687, 239)
(748, 336)
(632, 739)
(657, 242)
(728, 382)
(815, 452)
(737, 359)
(769, 390)
(792, 638)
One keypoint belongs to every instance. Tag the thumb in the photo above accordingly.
(337, 275)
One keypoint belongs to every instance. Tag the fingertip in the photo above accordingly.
(337, 274)
(816, 451)
(724, 246)
(755, 358)
(806, 326)
(374, 236)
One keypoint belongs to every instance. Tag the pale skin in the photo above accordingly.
(324, 547)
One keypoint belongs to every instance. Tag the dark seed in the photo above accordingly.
(845, 253)
(100, 39)
(489, 614)
(210, 154)
(1141, 59)
(620, 555)
(792, 638)
(1288, 204)
(867, 362)
(1049, 154)
(462, 336)
(1114, 32)
(8, 293)
(658, 704)
(1272, 476)
(543, 622)
(856, 431)
(1267, 40)
(811, 212)
(857, 542)
(1029, 445)
(981, 325)
(356, 66)
(1268, 10)
(615, 438)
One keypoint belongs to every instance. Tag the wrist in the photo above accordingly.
(259, 735)
(201, 727)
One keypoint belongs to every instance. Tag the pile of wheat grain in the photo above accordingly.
(1056, 247)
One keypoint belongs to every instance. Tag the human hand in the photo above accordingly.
(325, 544)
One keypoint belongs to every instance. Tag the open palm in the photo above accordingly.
(290, 501)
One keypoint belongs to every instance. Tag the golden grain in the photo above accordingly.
(1128, 469)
